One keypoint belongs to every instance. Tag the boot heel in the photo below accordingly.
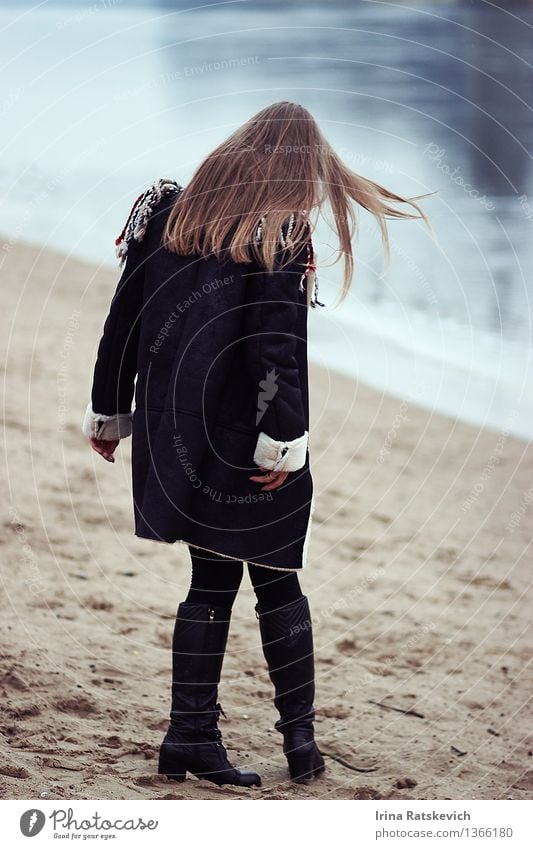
(204, 760)
(319, 765)
(170, 766)
(304, 766)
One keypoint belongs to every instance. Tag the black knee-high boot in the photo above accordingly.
(287, 638)
(193, 741)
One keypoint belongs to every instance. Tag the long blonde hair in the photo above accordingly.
(277, 164)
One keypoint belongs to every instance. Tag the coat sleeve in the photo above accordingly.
(108, 415)
(271, 357)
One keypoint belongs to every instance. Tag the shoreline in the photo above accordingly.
(418, 577)
(381, 351)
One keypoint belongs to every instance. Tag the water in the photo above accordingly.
(98, 99)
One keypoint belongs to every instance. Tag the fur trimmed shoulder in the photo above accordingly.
(137, 221)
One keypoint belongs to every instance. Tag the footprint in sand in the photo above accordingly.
(112, 742)
(362, 545)
(106, 670)
(366, 793)
(262, 694)
(71, 554)
(525, 782)
(447, 554)
(107, 683)
(49, 604)
(150, 780)
(327, 661)
(121, 521)
(23, 711)
(164, 639)
(13, 680)
(95, 603)
(404, 783)
(347, 646)
(381, 517)
(334, 711)
(77, 705)
(14, 771)
(160, 725)
(485, 581)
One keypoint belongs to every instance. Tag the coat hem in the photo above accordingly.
(227, 556)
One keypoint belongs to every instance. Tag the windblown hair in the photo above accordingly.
(276, 164)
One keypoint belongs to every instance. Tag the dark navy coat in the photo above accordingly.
(218, 350)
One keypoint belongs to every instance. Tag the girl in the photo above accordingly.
(210, 318)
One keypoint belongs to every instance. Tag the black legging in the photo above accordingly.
(216, 580)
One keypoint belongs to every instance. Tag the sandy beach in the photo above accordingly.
(418, 578)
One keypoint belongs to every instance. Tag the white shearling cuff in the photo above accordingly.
(108, 428)
(279, 456)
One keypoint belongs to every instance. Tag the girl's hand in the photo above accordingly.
(105, 447)
(273, 480)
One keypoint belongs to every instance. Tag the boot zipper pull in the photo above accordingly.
(211, 613)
